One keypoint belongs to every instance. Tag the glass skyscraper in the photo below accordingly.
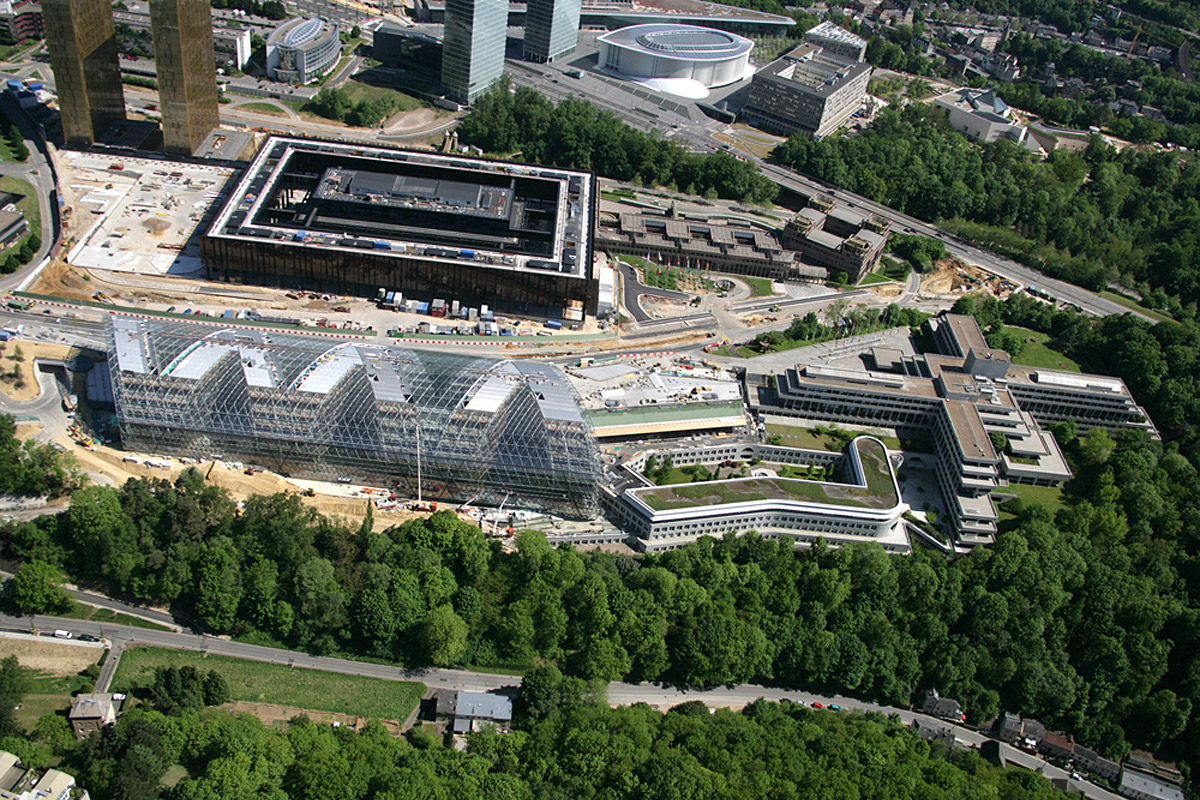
(551, 28)
(473, 47)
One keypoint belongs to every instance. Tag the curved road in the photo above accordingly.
(659, 696)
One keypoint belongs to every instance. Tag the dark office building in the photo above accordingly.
(353, 218)
(187, 72)
(81, 38)
(397, 46)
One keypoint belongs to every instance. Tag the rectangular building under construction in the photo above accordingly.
(352, 218)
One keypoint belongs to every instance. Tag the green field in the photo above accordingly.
(28, 206)
(264, 108)
(359, 91)
(1051, 497)
(1038, 353)
(874, 278)
(759, 287)
(256, 682)
(1133, 305)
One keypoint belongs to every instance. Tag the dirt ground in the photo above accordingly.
(30, 350)
(50, 658)
(277, 715)
(109, 461)
(954, 278)
(888, 291)
(26, 430)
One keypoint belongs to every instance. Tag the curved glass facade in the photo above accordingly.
(487, 428)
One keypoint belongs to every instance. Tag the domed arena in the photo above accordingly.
(684, 60)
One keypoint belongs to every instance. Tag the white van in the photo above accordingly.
(61, 634)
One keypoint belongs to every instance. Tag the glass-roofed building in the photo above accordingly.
(485, 428)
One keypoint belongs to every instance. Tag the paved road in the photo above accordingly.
(633, 288)
(37, 172)
(103, 601)
(659, 696)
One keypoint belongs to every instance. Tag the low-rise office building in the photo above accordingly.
(837, 41)
(303, 49)
(808, 90)
(1143, 786)
(983, 116)
(837, 238)
(21, 20)
(864, 505)
(960, 398)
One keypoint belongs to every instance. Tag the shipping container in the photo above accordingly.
(554, 324)
(381, 245)
(437, 308)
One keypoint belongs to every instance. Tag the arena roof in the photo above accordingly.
(413, 204)
(672, 40)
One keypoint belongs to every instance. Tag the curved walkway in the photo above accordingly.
(633, 289)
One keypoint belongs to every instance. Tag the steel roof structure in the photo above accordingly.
(484, 427)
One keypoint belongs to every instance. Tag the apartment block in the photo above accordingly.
(836, 238)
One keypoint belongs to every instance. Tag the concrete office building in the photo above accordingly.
(862, 504)
(807, 90)
(984, 117)
(81, 37)
(958, 398)
(303, 49)
(473, 47)
(231, 45)
(551, 28)
(837, 41)
(352, 218)
(187, 72)
(836, 238)
(21, 20)
(397, 46)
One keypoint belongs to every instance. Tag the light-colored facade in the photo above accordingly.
(670, 51)
(187, 72)
(1143, 786)
(303, 49)
(551, 28)
(838, 41)
(231, 45)
(959, 398)
(807, 90)
(865, 506)
(983, 116)
(473, 47)
(81, 38)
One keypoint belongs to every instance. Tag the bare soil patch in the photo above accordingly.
(50, 658)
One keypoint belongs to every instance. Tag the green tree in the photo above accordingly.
(37, 589)
(444, 637)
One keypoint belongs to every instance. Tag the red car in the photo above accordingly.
(817, 704)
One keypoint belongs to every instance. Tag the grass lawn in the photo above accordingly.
(809, 439)
(1038, 353)
(759, 287)
(6, 153)
(359, 91)
(1049, 496)
(1133, 305)
(93, 614)
(874, 278)
(27, 206)
(264, 108)
(257, 682)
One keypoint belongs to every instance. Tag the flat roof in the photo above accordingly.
(811, 67)
(973, 440)
(414, 205)
(965, 332)
(833, 32)
(878, 492)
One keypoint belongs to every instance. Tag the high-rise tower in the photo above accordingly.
(187, 72)
(82, 40)
(551, 28)
(473, 47)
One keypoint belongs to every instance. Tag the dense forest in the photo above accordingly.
(578, 750)
(1084, 620)
(576, 134)
(1089, 217)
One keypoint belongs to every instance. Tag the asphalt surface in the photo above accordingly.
(37, 172)
(103, 601)
(659, 696)
(633, 289)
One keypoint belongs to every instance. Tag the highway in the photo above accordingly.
(659, 696)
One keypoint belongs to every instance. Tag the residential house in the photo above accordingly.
(942, 707)
(1143, 786)
(91, 712)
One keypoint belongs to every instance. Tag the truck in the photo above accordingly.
(17, 304)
